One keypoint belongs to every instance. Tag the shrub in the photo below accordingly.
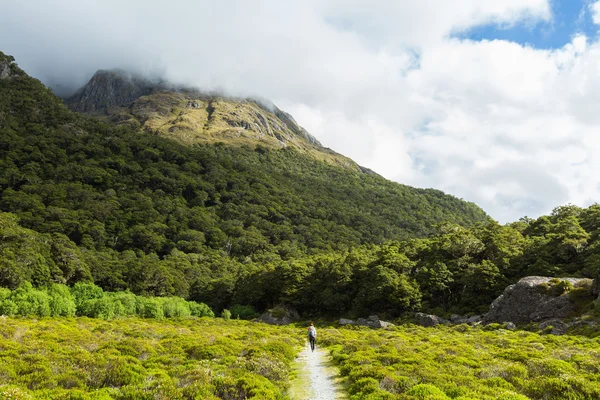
(62, 302)
(85, 291)
(426, 391)
(30, 301)
(175, 307)
(14, 392)
(226, 314)
(127, 301)
(200, 310)
(149, 307)
(243, 312)
(512, 396)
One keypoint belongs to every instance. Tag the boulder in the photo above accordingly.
(510, 326)
(558, 326)
(280, 315)
(531, 300)
(374, 322)
(458, 319)
(429, 319)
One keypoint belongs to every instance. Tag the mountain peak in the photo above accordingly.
(109, 88)
(192, 116)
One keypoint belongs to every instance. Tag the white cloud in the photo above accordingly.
(595, 10)
(510, 127)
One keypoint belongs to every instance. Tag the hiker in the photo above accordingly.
(312, 336)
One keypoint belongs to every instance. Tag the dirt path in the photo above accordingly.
(316, 378)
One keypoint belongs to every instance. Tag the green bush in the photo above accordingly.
(30, 301)
(175, 307)
(426, 391)
(226, 314)
(127, 301)
(62, 302)
(200, 310)
(83, 292)
(149, 307)
(243, 312)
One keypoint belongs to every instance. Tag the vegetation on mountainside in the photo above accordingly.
(129, 210)
(126, 359)
(465, 363)
(83, 201)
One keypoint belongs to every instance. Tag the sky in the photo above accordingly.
(495, 102)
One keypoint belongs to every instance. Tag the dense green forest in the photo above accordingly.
(85, 201)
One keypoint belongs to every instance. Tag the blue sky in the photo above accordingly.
(568, 18)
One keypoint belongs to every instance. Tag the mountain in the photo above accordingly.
(192, 116)
(115, 200)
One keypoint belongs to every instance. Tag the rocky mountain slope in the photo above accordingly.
(193, 116)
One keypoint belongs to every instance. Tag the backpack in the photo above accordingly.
(311, 332)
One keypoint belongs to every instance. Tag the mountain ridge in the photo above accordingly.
(192, 116)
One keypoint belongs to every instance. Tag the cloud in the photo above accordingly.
(508, 126)
(595, 10)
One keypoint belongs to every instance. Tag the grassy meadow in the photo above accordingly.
(211, 358)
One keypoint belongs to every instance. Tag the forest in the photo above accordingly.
(86, 201)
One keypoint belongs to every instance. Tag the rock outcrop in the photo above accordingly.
(429, 320)
(109, 89)
(6, 63)
(280, 315)
(372, 322)
(533, 299)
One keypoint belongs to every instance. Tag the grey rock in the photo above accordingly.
(429, 320)
(345, 321)
(458, 319)
(558, 327)
(526, 301)
(109, 88)
(279, 315)
(510, 326)
(373, 322)
(194, 104)
(596, 287)
(475, 319)
(4, 70)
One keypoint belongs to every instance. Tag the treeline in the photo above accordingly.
(455, 270)
(89, 300)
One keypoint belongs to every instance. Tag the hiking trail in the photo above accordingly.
(316, 377)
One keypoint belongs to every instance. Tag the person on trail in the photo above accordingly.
(312, 336)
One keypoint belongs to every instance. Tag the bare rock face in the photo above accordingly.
(108, 89)
(4, 70)
(5, 66)
(533, 299)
